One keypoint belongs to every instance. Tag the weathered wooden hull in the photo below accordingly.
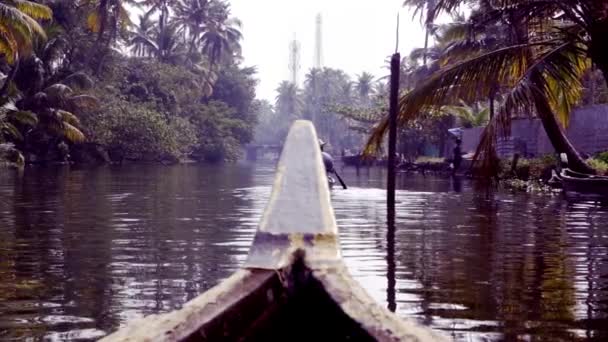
(294, 285)
(576, 184)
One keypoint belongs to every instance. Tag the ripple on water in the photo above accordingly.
(478, 265)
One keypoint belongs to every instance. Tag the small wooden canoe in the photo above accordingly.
(576, 183)
(294, 285)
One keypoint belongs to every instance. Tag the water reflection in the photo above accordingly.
(82, 251)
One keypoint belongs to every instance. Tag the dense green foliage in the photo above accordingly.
(178, 93)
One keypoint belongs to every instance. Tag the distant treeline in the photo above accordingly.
(82, 82)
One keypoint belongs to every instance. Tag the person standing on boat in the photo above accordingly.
(328, 161)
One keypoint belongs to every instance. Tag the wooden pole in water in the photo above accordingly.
(392, 133)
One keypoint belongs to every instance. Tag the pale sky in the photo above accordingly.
(358, 35)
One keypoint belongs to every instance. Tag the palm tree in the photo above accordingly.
(54, 96)
(11, 120)
(312, 93)
(540, 71)
(161, 6)
(192, 17)
(580, 22)
(470, 116)
(288, 100)
(141, 34)
(221, 40)
(108, 17)
(365, 87)
(57, 104)
(164, 44)
(18, 29)
(426, 9)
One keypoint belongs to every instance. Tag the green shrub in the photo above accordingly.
(598, 164)
(429, 160)
(603, 157)
(140, 133)
(527, 169)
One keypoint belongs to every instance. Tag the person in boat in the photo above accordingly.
(328, 161)
(457, 156)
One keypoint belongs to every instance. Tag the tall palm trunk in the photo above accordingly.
(430, 7)
(558, 137)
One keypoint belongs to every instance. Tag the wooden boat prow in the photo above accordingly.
(294, 285)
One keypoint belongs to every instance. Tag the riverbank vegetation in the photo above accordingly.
(85, 81)
(519, 58)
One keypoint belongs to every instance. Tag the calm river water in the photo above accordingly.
(84, 250)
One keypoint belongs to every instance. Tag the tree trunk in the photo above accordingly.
(559, 140)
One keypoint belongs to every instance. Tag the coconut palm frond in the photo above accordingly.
(552, 81)
(78, 80)
(125, 18)
(94, 21)
(469, 80)
(58, 91)
(69, 132)
(34, 10)
(17, 30)
(8, 45)
(9, 130)
(23, 117)
(141, 39)
(68, 117)
(531, 80)
(82, 102)
(54, 49)
(464, 49)
(569, 69)
(451, 32)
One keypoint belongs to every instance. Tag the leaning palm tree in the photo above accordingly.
(544, 79)
(18, 30)
(539, 72)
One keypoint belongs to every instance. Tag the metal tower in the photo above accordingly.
(294, 60)
(318, 62)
